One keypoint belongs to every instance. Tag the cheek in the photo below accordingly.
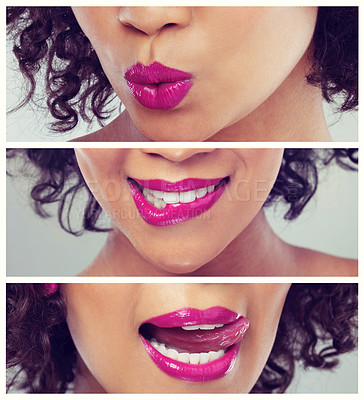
(265, 303)
(102, 172)
(253, 184)
(259, 50)
(102, 331)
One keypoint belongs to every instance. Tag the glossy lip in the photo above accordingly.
(193, 316)
(180, 186)
(156, 86)
(190, 316)
(176, 213)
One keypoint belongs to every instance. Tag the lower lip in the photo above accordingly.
(173, 214)
(161, 96)
(190, 372)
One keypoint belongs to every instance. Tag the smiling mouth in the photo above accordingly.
(160, 198)
(165, 203)
(199, 352)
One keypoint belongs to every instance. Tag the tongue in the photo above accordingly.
(199, 340)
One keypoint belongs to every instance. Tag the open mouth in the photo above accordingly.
(165, 203)
(194, 352)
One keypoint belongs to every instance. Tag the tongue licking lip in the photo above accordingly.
(227, 331)
(198, 340)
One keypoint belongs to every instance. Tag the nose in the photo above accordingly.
(151, 20)
(177, 154)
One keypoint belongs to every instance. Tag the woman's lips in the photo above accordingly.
(163, 203)
(156, 86)
(206, 351)
(180, 186)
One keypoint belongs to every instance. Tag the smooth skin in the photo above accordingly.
(249, 66)
(232, 238)
(104, 320)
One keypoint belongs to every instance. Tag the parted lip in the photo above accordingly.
(155, 73)
(193, 316)
(176, 213)
(184, 185)
(226, 337)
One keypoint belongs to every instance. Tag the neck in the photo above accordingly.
(257, 251)
(84, 381)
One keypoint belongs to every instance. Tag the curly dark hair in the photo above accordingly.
(59, 180)
(40, 350)
(76, 84)
(41, 354)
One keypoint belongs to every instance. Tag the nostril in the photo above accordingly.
(154, 155)
(133, 28)
(146, 29)
(169, 25)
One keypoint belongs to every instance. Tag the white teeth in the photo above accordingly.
(201, 192)
(204, 358)
(189, 358)
(194, 358)
(207, 327)
(171, 197)
(157, 193)
(184, 357)
(214, 355)
(203, 327)
(154, 198)
(160, 199)
(159, 203)
(172, 353)
(187, 197)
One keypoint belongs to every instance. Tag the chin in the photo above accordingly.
(186, 263)
(172, 128)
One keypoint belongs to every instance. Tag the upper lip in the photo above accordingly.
(179, 186)
(155, 73)
(192, 316)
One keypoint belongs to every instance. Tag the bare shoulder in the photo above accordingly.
(315, 263)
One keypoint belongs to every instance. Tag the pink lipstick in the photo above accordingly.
(164, 203)
(156, 86)
(194, 345)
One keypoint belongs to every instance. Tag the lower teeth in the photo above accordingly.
(189, 358)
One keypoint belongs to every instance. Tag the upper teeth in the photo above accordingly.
(203, 327)
(160, 199)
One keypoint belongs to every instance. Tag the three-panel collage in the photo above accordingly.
(182, 199)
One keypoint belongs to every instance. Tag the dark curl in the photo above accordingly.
(40, 353)
(76, 84)
(335, 58)
(59, 180)
(74, 80)
(313, 315)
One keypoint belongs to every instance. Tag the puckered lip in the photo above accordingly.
(226, 338)
(154, 73)
(184, 185)
(193, 316)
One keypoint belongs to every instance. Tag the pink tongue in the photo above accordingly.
(199, 340)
